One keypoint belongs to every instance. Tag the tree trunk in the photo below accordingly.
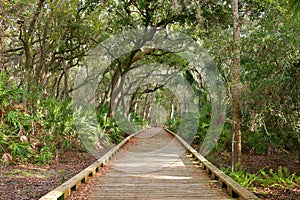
(145, 107)
(114, 93)
(236, 88)
(172, 109)
(66, 87)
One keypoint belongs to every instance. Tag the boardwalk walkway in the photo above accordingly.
(153, 165)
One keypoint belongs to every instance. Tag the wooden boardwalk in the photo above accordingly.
(155, 166)
(152, 164)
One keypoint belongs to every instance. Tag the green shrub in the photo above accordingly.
(282, 178)
(173, 124)
(242, 176)
(45, 156)
(20, 150)
(3, 142)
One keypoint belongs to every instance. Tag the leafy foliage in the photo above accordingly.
(242, 176)
(173, 124)
(282, 178)
(45, 156)
(27, 136)
(44, 42)
(20, 150)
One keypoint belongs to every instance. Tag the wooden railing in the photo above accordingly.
(234, 189)
(63, 191)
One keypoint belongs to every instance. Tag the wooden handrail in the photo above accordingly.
(233, 188)
(63, 191)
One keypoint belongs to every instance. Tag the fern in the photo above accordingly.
(20, 150)
(282, 178)
(3, 142)
(242, 176)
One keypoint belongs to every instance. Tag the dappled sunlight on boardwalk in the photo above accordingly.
(155, 166)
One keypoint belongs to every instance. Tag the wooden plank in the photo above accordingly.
(233, 188)
(179, 179)
(182, 179)
(63, 191)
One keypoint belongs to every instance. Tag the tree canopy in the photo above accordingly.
(44, 43)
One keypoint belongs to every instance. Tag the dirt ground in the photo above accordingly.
(253, 163)
(30, 182)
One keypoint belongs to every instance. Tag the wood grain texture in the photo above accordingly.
(155, 167)
(153, 164)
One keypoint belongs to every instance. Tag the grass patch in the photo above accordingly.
(24, 173)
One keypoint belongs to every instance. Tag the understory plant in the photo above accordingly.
(282, 178)
(33, 128)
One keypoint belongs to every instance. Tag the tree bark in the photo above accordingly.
(236, 88)
(66, 90)
(172, 109)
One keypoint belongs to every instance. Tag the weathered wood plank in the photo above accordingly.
(170, 173)
(233, 188)
(63, 191)
(160, 165)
